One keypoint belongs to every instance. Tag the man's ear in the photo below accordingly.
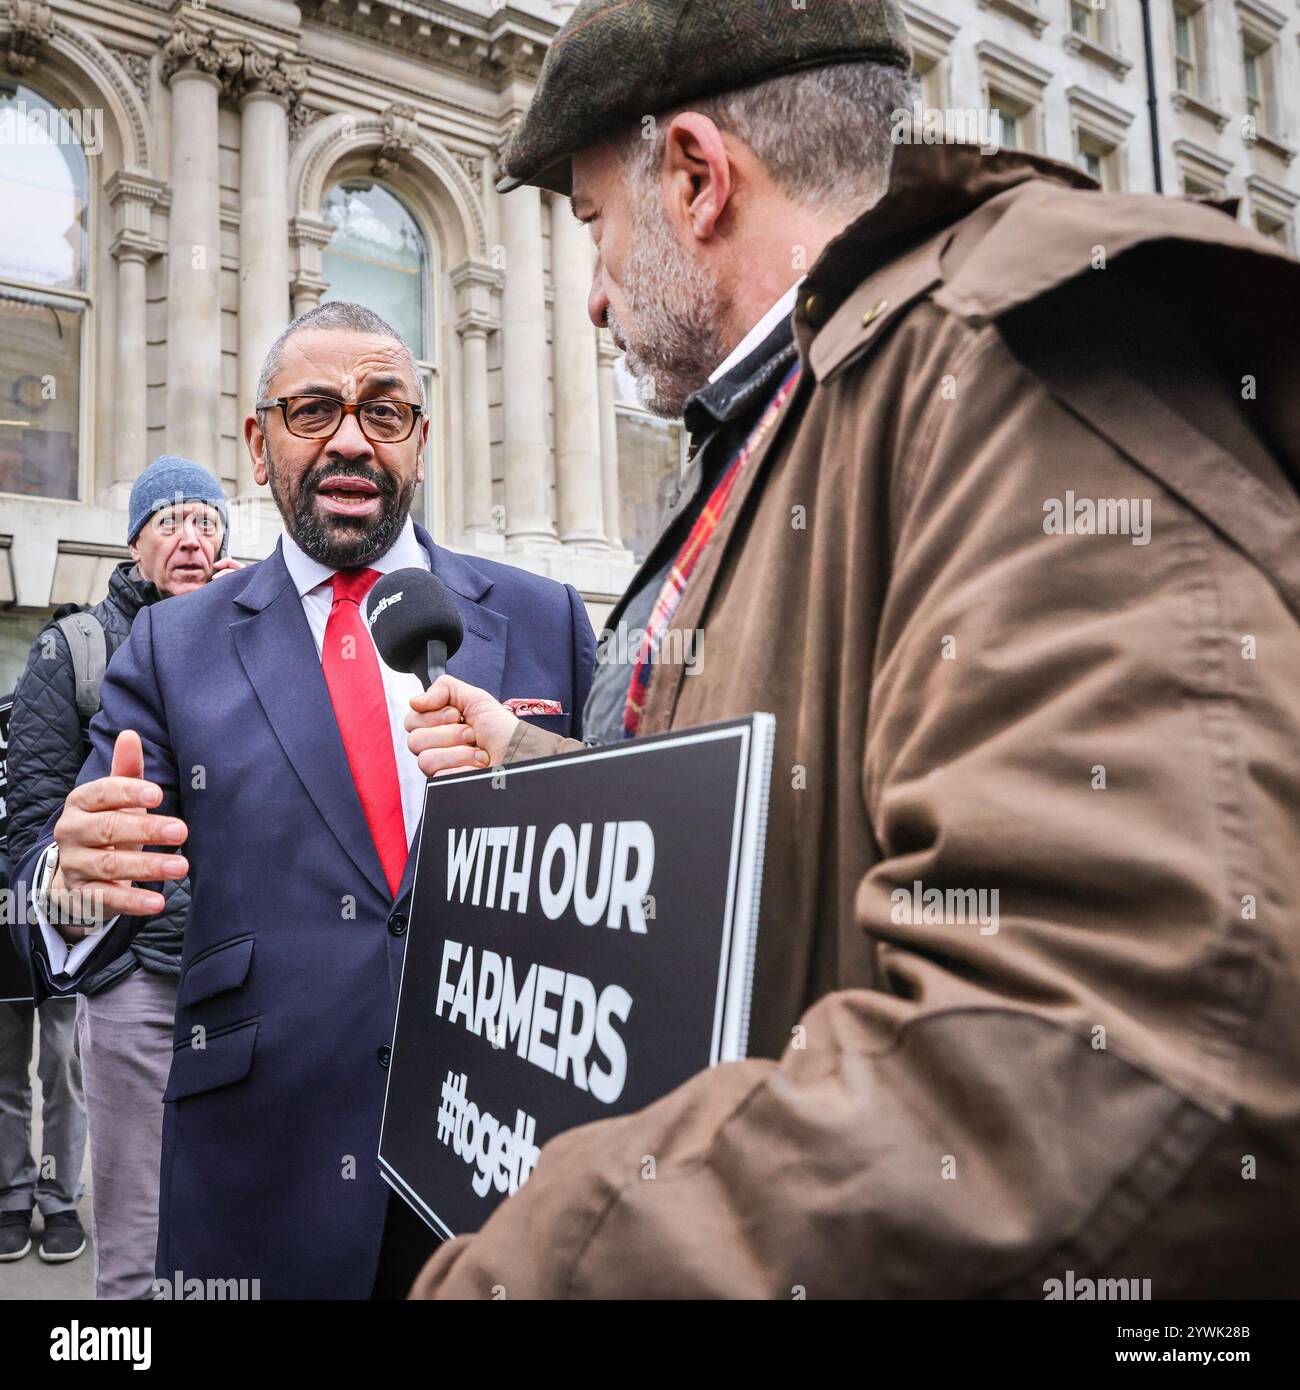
(698, 172)
(255, 441)
(135, 551)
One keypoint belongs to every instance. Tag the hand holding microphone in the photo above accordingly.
(442, 743)
(417, 627)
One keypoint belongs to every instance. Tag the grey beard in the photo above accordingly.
(675, 304)
(335, 540)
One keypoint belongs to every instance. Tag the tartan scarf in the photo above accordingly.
(701, 532)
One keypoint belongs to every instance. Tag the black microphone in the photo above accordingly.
(415, 623)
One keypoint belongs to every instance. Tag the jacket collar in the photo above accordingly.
(741, 389)
(456, 572)
(130, 590)
(930, 188)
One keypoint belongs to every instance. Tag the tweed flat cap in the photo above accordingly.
(617, 61)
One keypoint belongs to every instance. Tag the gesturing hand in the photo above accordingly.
(101, 837)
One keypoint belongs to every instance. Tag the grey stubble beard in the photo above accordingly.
(676, 342)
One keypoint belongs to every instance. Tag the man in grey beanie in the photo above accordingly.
(178, 534)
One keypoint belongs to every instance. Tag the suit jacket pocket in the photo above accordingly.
(219, 968)
(224, 1058)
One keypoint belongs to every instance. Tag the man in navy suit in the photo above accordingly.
(252, 725)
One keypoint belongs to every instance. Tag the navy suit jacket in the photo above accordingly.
(293, 948)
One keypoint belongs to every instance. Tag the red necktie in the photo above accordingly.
(361, 708)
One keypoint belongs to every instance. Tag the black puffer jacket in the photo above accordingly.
(47, 746)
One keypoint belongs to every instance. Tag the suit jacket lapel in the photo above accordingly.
(481, 659)
(279, 656)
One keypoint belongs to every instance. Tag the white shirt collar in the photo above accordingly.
(782, 309)
(307, 574)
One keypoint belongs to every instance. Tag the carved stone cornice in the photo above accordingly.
(399, 138)
(310, 231)
(135, 187)
(31, 25)
(477, 287)
(504, 44)
(518, 55)
(133, 196)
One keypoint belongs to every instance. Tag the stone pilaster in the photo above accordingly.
(196, 65)
(308, 236)
(580, 511)
(606, 355)
(132, 198)
(523, 359)
(268, 87)
(477, 288)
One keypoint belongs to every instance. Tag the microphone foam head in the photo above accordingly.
(408, 609)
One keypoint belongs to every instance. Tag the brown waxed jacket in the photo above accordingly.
(971, 695)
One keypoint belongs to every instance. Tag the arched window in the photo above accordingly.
(379, 257)
(44, 300)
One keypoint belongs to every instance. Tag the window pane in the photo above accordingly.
(1251, 63)
(377, 257)
(1183, 35)
(649, 463)
(40, 375)
(42, 171)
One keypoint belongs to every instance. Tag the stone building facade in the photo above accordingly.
(1216, 112)
(179, 177)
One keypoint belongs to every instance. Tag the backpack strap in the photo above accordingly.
(84, 634)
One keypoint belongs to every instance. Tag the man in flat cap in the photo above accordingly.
(996, 510)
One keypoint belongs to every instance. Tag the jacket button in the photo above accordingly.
(814, 310)
(385, 1053)
(397, 924)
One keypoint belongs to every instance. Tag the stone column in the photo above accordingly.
(132, 197)
(606, 355)
(523, 369)
(269, 86)
(130, 390)
(196, 64)
(309, 236)
(577, 393)
(476, 287)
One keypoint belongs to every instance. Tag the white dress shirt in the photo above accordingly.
(313, 582)
(782, 309)
(315, 589)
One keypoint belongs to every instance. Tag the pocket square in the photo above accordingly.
(523, 708)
